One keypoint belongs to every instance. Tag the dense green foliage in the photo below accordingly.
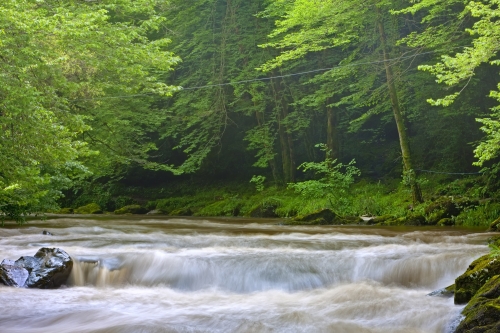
(92, 109)
(60, 61)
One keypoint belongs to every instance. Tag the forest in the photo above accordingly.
(265, 108)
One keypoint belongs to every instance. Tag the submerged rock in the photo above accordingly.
(447, 292)
(482, 314)
(48, 269)
(48, 233)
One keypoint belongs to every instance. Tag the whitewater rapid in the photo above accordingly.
(238, 275)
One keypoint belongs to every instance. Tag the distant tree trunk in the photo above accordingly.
(272, 162)
(290, 150)
(332, 141)
(396, 108)
(286, 140)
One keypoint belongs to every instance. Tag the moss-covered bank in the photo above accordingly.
(462, 202)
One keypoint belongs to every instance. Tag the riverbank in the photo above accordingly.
(462, 202)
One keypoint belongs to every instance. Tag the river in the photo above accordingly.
(238, 275)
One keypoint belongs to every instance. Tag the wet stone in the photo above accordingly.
(13, 276)
(49, 268)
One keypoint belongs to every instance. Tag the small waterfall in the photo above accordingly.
(246, 270)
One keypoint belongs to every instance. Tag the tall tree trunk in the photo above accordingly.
(409, 173)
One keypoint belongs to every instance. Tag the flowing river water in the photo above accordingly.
(238, 275)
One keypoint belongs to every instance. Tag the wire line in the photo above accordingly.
(272, 77)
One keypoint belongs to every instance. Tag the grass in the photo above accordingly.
(365, 197)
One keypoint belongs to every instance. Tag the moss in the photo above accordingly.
(415, 219)
(131, 209)
(478, 273)
(92, 208)
(181, 212)
(495, 225)
(326, 214)
(261, 211)
(447, 207)
(383, 218)
(224, 207)
(446, 222)
(65, 211)
(482, 314)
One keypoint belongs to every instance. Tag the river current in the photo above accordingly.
(238, 275)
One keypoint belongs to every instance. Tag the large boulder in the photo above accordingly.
(48, 269)
(482, 314)
(478, 273)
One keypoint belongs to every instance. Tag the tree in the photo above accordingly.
(61, 65)
(310, 26)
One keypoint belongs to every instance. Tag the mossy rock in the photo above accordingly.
(436, 216)
(326, 214)
(181, 212)
(263, 211)
(65, 211)
(393, 222)
(416, 220)
(131, 209)
(495, 225)
(92, 208)
(478, 273)
(446, 222)
(482, 314)
(447, 207)
(494, 240)
(349, 220)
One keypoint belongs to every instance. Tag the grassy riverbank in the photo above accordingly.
(462, 202)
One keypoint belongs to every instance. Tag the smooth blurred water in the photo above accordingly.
(238, 275)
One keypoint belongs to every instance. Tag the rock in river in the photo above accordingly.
(48, 269)
(12, 275)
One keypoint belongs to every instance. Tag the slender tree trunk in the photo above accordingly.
(396, 108)
(332, 141)
(272, 162)
(286, 140)
(291, 150)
